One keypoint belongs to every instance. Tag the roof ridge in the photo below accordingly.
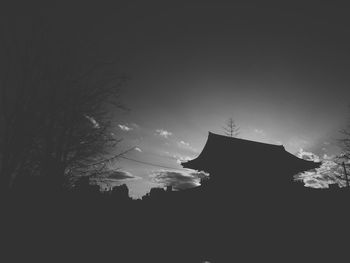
(245, 140)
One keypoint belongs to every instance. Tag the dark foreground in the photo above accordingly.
(194, 226)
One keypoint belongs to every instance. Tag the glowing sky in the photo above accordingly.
(282, 73)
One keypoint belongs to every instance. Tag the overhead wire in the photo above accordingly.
(151, 164)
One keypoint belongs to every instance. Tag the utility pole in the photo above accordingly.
(346, 176)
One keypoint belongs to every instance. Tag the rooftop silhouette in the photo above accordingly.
(229, 159)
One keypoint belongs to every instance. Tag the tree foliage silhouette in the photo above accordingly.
(55, 105)
(231, 129)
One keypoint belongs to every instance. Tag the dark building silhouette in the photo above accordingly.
(120, 193)
(237, 162)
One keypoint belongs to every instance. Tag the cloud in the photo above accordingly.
(328, 157)
(178, 180)
(259, 131)
(187, 146)
(328, 173)
(93, 121)
(138, 149)
(124, 127)
(163, 133)
(120, 175)
(309, 156)
(135, 125)
(180, 158)
(297, 143)
(184, 143)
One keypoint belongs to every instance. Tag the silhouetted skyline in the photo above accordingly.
(280, 71)
(120, 96)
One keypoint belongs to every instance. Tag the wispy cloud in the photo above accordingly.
(178, 157)
(135, 125)
(93, 121)
(138, 149)
(259, 131)
(184, 143)
(119, 175)
(163, 133)
(177, 180)
(187, 146)
(124, 127)
(309, 156)
(328, 157)
(297, 143)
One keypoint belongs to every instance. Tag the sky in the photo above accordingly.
(281, 72)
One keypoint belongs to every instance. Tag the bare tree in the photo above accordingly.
(55, 106)
(343, 159)
(231, 129)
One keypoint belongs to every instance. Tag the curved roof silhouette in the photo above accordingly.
(222, 154)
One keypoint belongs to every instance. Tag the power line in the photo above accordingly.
(151, 164)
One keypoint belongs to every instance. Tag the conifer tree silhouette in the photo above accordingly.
(231, 129)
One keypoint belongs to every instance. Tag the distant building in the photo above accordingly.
(155, 194)
(241, 163)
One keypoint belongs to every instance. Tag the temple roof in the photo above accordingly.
(223, 153)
